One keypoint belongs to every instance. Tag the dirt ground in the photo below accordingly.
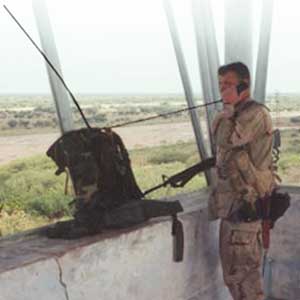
(14, 147)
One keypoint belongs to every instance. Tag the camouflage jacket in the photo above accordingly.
(244, 158)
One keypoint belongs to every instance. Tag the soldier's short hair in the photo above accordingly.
(238, 68)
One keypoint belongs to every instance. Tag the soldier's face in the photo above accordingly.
(228, 80)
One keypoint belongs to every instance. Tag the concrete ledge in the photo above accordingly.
(136, 264)
(283, 269)
(129, 264)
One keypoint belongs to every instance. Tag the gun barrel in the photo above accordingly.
(181, 178)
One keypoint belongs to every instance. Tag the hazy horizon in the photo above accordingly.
(124, 47)
(132, 94)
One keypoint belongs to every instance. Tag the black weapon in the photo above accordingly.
(182, 178)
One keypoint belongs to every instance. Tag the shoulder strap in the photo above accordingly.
(247, 105)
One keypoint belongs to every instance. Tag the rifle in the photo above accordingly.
(182, 178)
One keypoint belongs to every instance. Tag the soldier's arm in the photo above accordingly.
(250, 127)
(230, 132)
(222, 128)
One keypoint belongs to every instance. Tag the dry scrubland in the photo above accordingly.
(36, 114)
(30, 193)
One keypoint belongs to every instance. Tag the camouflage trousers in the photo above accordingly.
(241, 258)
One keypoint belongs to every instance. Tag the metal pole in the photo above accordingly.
(204, 26)
(238, 32)
(59, 93)
(208, 57)
(186, 84)
(263, 51)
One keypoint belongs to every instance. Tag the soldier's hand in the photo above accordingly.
(228, 111)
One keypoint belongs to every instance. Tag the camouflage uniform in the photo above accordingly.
(244, 173)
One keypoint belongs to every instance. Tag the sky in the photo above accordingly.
(124, 46)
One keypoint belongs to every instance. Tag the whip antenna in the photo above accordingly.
(50, 64)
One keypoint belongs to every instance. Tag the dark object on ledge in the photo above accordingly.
(97, 160)
(178, 239)
(88, 222)
(108, 196)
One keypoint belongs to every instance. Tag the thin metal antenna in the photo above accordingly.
(50, 64)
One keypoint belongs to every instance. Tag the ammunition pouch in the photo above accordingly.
(277, 206)
(279, 203)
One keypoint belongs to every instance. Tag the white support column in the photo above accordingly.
(238, 32)
(186, 83)
(263, 51)
(208, 57)
(59, 93)
(206, 20)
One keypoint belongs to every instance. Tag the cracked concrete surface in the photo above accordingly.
(137, 263)
(61, 278)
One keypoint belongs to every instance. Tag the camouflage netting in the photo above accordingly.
(107, 195)
(96, 160)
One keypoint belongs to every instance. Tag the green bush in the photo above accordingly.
(150, 176)
(29, 188)
(168, 157)
(53, 204)
(180, 152)
(12, 123)
(289, 160)
(31, 185)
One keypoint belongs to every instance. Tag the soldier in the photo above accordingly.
(243, 138)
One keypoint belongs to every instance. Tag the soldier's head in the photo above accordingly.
(232, 75)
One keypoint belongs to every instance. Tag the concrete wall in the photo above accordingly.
(133, 264)
(283, 270)
(136, 264)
